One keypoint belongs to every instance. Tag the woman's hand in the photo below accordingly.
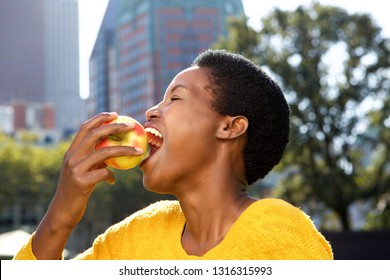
(82, 169)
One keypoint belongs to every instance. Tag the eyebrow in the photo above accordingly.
(177, 87)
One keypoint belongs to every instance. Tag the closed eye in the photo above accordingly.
(175, 97)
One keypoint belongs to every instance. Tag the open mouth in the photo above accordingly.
(155, 138)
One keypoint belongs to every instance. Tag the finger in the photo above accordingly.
(90, 179)
(96, 160)
(89, 142)
(99, 175)
(87, 127)
(86, 148)
(78, 181)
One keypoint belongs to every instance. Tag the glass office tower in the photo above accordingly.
(142, 45)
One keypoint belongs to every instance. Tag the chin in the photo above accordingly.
(155, 187)
(147, 184)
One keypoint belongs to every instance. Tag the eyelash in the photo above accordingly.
(174, 98)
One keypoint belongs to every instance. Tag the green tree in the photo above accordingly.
(29, 173)
(8, 180)
(242, 38)
(334, 69)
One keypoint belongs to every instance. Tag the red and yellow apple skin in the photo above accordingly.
(136, 137)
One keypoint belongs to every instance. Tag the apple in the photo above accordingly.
(136, 137)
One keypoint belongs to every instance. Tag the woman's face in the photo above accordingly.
(187, 124)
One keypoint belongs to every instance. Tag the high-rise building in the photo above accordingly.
(103, 84)
(146, 43)
(39, 58)
(21, 51)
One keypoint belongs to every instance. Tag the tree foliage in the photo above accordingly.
(28, 171)
(242, 38)
(334, 68)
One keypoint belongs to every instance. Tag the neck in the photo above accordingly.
(209, 220)
(212, 199)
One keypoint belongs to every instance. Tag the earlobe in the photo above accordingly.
(232, 127)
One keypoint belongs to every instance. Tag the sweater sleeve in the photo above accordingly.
(26, 253)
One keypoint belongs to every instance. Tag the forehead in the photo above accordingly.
(194, 80)
(192, 77)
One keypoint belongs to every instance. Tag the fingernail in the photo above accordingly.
(111, 182)
(131, 124)
(139, 149)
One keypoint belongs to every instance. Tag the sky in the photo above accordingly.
(91, 13)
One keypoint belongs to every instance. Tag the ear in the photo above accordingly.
(232, 127)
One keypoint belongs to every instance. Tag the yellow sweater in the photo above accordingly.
(269, 229)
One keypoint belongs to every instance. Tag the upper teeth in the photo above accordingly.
(153, 131)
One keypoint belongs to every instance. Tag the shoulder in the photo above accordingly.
(127, 239)
(273, 212)
(273, 207)
(279, 213)
(162, 207)
(154, 217)
(157, 212)
(282, 225)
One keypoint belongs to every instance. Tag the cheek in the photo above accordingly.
(190, 146)
(190, 134)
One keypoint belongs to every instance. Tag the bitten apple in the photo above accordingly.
(136, 137)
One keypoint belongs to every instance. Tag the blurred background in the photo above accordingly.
(63, 61)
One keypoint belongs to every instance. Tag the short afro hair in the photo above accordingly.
(242, 88)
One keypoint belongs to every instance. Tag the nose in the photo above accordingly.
(152, 113)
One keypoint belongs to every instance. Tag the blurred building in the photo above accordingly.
(36, 117)
(7, 119)
(32, 116)
(39, 59)
(142, 45)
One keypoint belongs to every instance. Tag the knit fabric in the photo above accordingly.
(269, 229)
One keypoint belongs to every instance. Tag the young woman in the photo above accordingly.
(224, 124)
